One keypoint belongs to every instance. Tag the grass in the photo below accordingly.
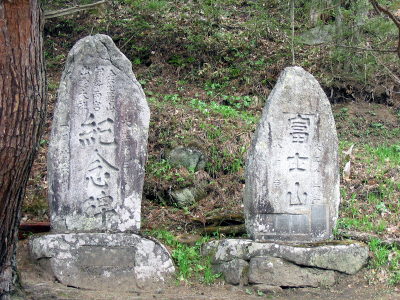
(225, 110)
(187, 258)
(386, 259)
(371, 203)
(374, 205)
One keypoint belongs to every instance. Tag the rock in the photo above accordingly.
(225, 250)
(278, 272)
(292, 166)
(318, 35)
(267, 289)
(192, 158)
(189, 196)
(159, 291)
(347, 257)
(98, 142)
(102, 261)
(235, 271)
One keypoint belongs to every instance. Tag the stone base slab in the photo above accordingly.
(278, 272)
(103, 261)
(285, 265)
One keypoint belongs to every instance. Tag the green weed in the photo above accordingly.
(160, 168)
(188, 259)
(225, 111)
(385, 153)
(381, 253)
(386, 257)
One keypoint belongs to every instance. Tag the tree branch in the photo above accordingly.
(367, 49)
(366, 237)
(71, 10)
(387, 69)
(386, 11)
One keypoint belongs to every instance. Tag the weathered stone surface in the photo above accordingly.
(189, 196)
(347, 257)
(225, 250)
(98, 142)
(188, 157)
(292, 170)
(276, 271)
(235, 271)
(103, 261)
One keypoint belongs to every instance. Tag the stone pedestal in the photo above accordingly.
(276, 264)
(101, 261)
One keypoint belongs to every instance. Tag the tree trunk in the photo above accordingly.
(22, 115)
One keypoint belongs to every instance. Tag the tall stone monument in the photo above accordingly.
(98, 142)
(292, 167)
(96, 163)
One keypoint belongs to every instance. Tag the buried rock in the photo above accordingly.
(190, 157)
(190, 195)
(266, 288)
(347, 257)
(318, 35)
(235, 271)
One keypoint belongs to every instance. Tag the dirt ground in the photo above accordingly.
(40, 286)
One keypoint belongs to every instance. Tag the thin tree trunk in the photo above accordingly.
(339, 21)
(292, 18)
(22, 114)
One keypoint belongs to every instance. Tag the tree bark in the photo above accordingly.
(22, 115)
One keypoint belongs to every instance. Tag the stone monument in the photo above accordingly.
(96, 163)
(292, 168)
(291, 197)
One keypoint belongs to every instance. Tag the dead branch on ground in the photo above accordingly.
(71, 10)
(366, 237)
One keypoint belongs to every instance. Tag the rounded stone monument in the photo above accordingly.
(292, 167)
(96, 161)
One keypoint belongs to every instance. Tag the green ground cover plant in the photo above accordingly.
(187, 258)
